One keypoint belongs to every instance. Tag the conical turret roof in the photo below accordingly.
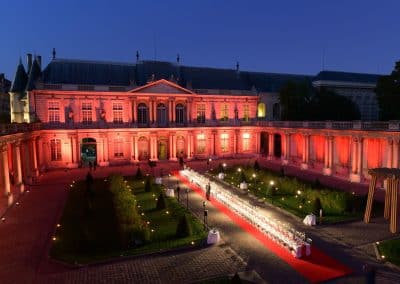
(34, 74)
(20, 79)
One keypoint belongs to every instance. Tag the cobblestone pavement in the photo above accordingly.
(26, 232)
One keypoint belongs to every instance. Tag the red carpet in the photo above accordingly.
(316, 268)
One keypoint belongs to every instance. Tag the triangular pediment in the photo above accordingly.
(161, 87)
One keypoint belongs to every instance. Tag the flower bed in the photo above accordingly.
(296, 196)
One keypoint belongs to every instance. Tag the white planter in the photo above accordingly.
(221, 176)
(213, 237)
(243, 185)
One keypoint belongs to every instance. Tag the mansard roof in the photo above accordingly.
(20, 79)
(347, 77)
(80, 72)
(83, 72)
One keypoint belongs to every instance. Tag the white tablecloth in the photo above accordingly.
(213, 237)
(310, 220)
(170, 192)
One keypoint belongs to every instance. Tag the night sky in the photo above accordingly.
(271, 36)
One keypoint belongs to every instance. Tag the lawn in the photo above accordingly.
(298, 197)
(391, 250)
(87, 231)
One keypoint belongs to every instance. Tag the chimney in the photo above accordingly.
(39, 61)
(54, 53)
(29, 61)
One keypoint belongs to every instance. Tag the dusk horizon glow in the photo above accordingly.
(285, 37)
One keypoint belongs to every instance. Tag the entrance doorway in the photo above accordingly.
(88, 151)
(277, 145)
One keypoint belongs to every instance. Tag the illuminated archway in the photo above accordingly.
(180, 147)
(88, 151)
(143, 148)
(162, 148)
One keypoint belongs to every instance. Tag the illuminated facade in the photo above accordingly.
(81, 111)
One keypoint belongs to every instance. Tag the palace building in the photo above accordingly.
(75, 111)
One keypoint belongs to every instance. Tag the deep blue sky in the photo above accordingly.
(272, 36)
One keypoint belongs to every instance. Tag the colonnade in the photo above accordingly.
(357, 159)
(19, 161)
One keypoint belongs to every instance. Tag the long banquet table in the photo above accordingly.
(281, 233)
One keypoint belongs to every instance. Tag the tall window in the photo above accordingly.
(179, 114)
(246, 112)
(118, 147)
(224, 112)
(246, 141)
(54, 112)
(55, 149)
(117, 112)
(161, 115)
(224, 142)
(261, 110)
(142, 115)
(201, 143)
(87, 113)
(201, 113)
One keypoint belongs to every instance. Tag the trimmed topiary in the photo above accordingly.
(147, 185)
(139, 174)
(243, 177)
(161, 203)
(184, 229)
(256, 166)
(316, 206)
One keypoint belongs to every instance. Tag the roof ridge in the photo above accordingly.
(92, 61)
(347, 72)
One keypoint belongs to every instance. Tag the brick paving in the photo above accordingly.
(25, 239)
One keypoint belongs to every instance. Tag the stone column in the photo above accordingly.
(6, 172)
(150, 112)
(257, 137)
(173, 112)
(327, 169)
(35, 171)
(170, 143)
(40, 153)
(174, 147)
(154, 111)
(134, 110)
(136, 139)
(189, 111)
(18, 166)
(190, 145)
(330, 160)
(390, 152)
(354, 155)
(286, 156)
(395, 162)
(212, 143)
(132, 143)
(105, 162)
(75, 151)
(270, 146)
(356, 175)
(304, 164)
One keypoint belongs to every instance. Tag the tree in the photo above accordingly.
(294, 99)
(183, 229)
(147, 185)
(388, 94)
(161, 203)
(243, 177)
(316, 206)
(327, 105)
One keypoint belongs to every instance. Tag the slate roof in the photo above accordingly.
(346, 77)
(65, 71)
(20, 79)
(34, 74)
(85, 72)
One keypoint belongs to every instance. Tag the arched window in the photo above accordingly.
(276, 111)
(261, 110)
(142, 114)
(180, 114)
(161, 114)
